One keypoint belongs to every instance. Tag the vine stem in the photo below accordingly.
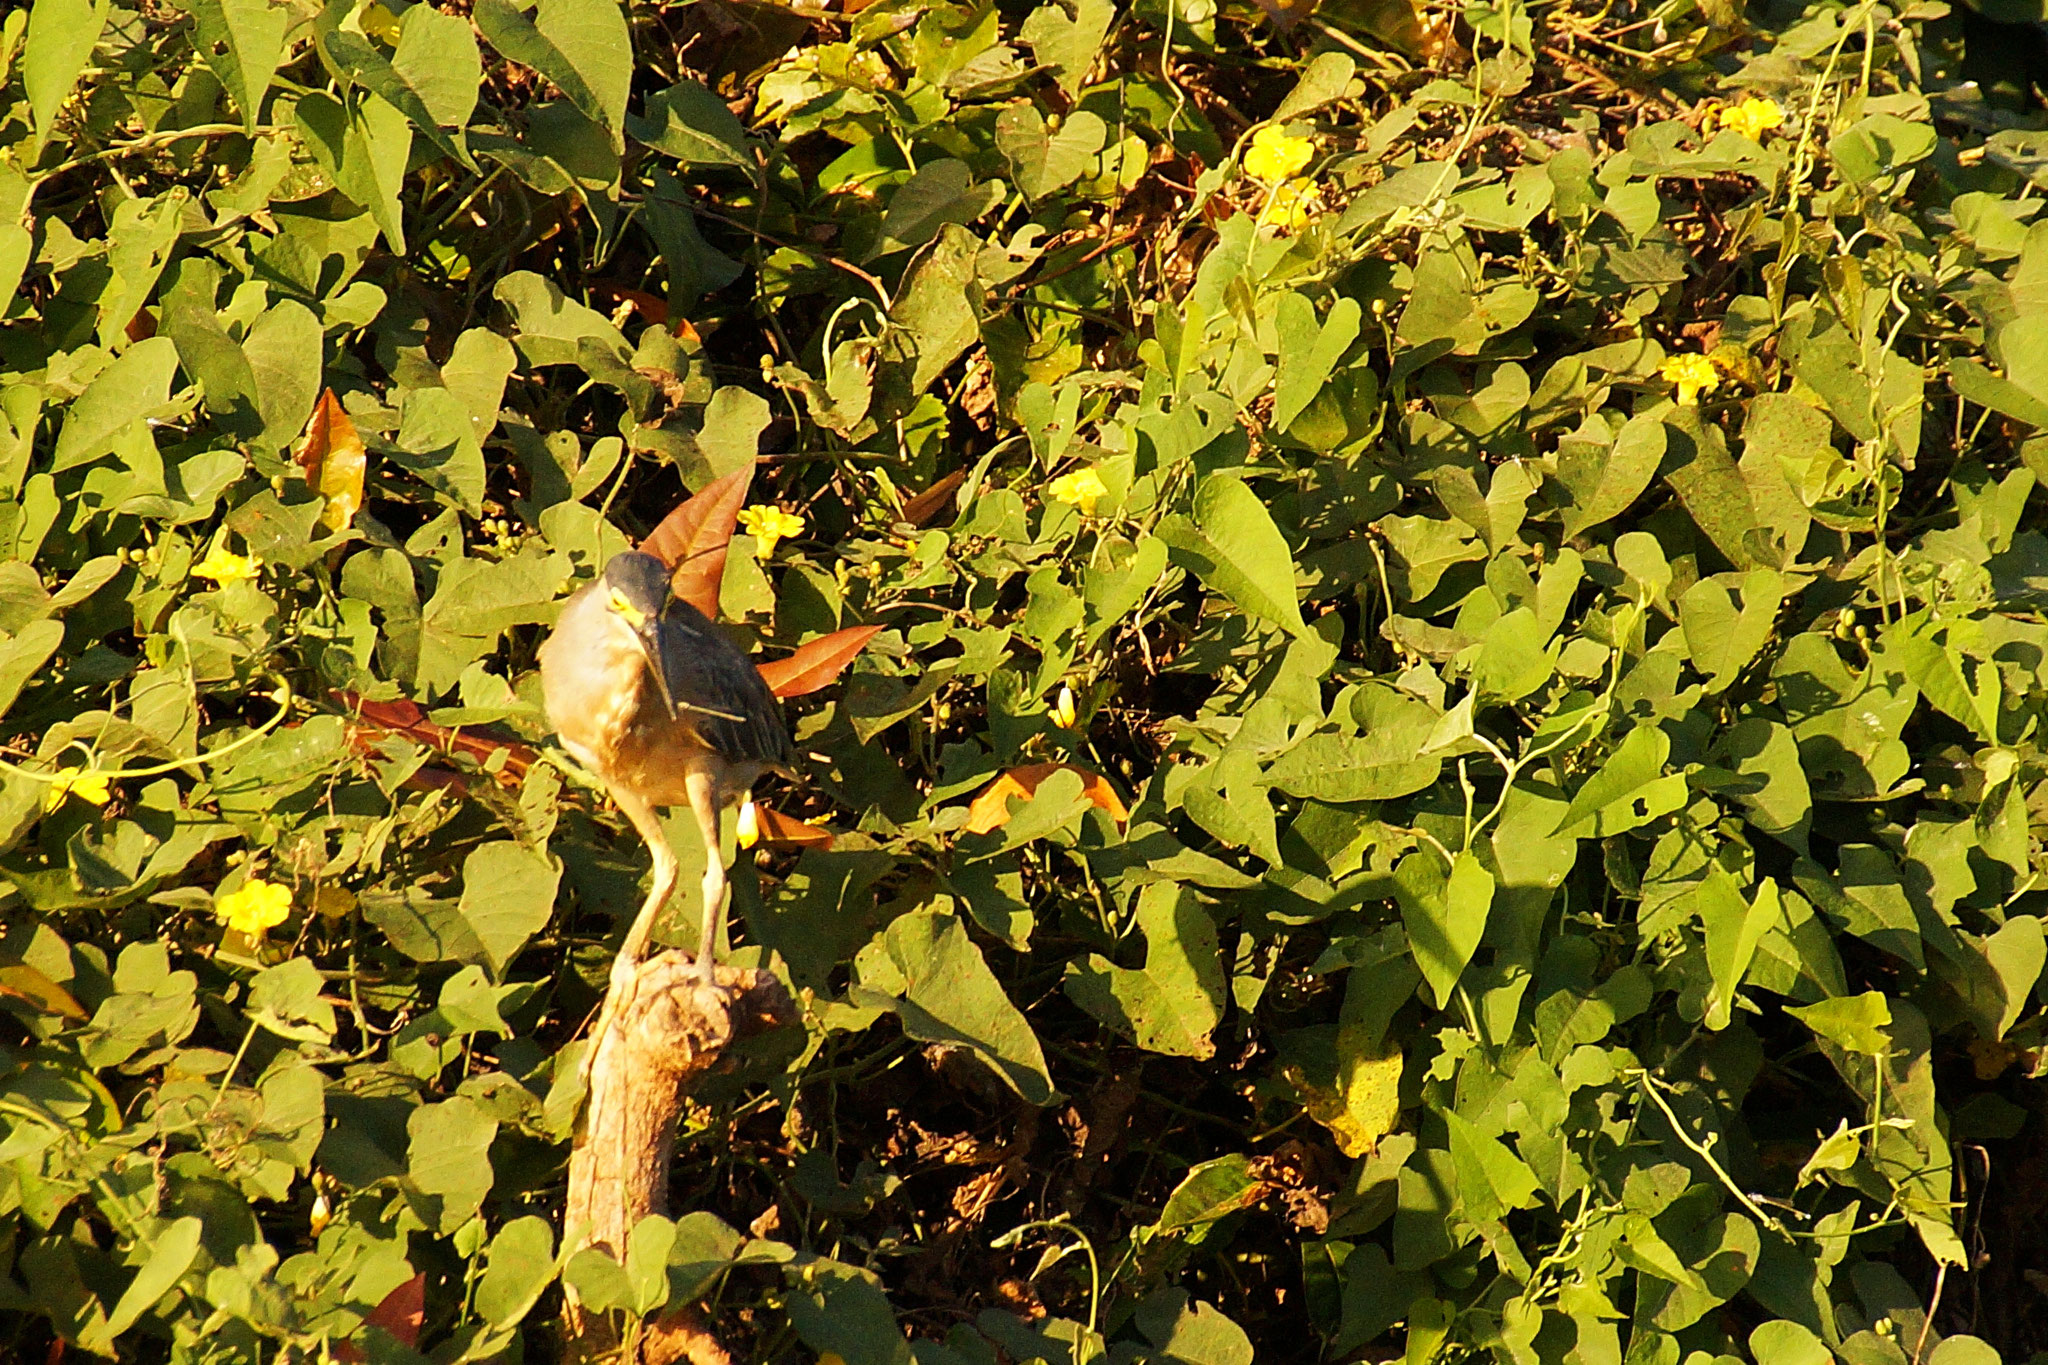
(1701, 1150)
(283, 697)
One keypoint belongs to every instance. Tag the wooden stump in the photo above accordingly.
(670, 1031)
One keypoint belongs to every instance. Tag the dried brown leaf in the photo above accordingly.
(818, 663)
(691, 540)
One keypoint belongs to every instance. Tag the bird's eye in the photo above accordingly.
(634, 616)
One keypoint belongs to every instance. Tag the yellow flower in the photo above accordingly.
(748, 832)
(1078, 489)
(380, 23)
(1694, 375)
(1274, 156)
(1753, 118)
(223, 566)
(254, 907)
(1063, 713)
(768, 524)
(83, 783)
(1291, 204)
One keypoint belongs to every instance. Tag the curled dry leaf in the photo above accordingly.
(334, 460)
(786, 831)
(22, 982)
(691, 540)
(817, 663)
(928, 504)
(991, 809)
(372, 719)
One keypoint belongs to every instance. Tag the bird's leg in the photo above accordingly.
(651, 833)
(628, 960)
(704, 805)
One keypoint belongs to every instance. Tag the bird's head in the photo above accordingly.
(636, 589)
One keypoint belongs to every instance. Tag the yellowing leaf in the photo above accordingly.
(334, 460)
(1363, 1106)
(24, 983)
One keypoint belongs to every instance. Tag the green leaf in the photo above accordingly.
(1171, 1003)
(1379, 765)
(942, 192)
(518, 1269)
(1856, 1022)
(1961, 687)
(646, 1263)
(134, 387)
(432, 79)
(695, 127)
(551, 327)
(1721, 638)
(1880, 144)
(1492, 1180)
(1232, 545)
(1308, 352)
(950, 996)
(1734, 928)
(363, 146)
(1972, 381)
(936, 317)
(1044, 158)
(508, 894)
(283, 349)
(1210, 1190)
(1322, 80)
(242, 41)
(1445, 915)
(448, 1160)
(1771, 778)
(170, 1256)
(61, 37)
(285, 1000)
(1066, 38)
(1711, 487)
(1630, 789)
(1195, 1334)
(580, 45)
(840, 1312)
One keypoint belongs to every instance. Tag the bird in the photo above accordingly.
(664, 710)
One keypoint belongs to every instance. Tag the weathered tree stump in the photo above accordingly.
(669, 1031)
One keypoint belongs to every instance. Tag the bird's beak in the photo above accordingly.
(647, 632)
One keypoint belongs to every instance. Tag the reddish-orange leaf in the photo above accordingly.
(333, 458)
(786, 831)
(647, 305)
(991, 809)
(818, 663)
(23, 982)
(401, 1314)
(691, 540)
(142, 326)
(933, 500)
(374, 718)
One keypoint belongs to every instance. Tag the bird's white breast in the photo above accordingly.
(590, 671)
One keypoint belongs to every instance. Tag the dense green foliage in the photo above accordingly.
(1518, 526)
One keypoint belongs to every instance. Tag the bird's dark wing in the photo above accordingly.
(707, 672)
